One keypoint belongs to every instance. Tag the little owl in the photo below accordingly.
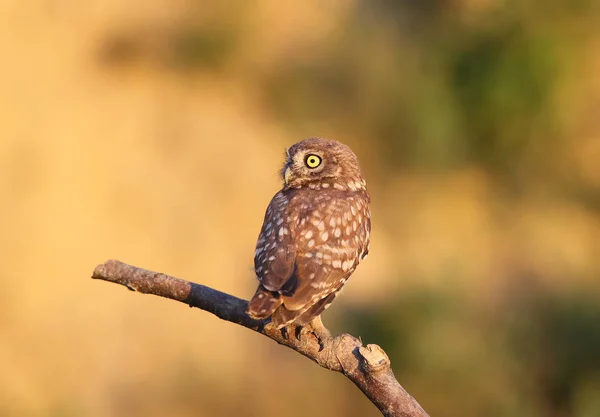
(315, 232)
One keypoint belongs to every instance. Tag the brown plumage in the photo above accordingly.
(315, 232)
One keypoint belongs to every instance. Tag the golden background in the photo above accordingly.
(152, 132)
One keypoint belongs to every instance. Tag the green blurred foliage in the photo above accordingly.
(556, 338)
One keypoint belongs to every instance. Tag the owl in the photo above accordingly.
(316, 230)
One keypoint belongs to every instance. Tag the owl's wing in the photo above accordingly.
(274, 259)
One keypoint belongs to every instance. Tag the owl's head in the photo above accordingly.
(321, 163)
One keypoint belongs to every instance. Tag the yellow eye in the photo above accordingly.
(312, 161)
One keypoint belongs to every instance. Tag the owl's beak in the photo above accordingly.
(287, 175)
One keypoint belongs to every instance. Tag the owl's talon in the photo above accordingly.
(321, 338)
(299, 331)
(261, 326)
(284, 333)
(321, 342)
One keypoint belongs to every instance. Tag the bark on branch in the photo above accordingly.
(367, 366)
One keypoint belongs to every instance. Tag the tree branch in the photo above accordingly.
(367, 366)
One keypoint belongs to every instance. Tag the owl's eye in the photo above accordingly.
(312, 161)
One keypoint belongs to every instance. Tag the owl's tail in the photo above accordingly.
(266, 303)
(282, 316)
(263, 303)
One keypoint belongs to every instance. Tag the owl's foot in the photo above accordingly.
(284, 333)
(317, 329)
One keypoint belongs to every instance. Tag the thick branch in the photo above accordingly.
(367, 366)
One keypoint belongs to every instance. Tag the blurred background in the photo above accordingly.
(152, 132)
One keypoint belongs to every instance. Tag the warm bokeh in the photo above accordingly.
(152, 132)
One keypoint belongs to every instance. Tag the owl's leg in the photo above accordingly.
(317, 329)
